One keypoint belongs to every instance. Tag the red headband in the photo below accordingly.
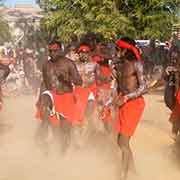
(96, 59)
(54, 46)
(123, 44)
(84, 48)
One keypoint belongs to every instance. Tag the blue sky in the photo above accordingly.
(12, 3)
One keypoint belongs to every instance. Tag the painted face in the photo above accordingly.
(84, 56)
(174, 55)
(74, 55)
(120, 52)
(54, 54)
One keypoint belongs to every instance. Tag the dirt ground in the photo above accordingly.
(156, 156)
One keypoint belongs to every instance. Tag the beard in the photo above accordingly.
(83, 60)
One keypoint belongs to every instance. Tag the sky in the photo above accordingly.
(12, 3)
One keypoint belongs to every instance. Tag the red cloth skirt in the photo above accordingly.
(175, 115)
(82, 95)
(107, 116)
(107, 73)
(64, 105)
(128, 116)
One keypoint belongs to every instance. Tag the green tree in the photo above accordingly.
(151, 18)
(78, 17)
(5, 34)
(111, 18)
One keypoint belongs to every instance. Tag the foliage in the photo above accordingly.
(5, 34)
(112, 18)
(153, 18)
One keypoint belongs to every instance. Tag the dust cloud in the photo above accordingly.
(156, 156)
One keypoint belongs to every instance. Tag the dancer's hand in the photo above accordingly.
(170, 69)
(121, 101)
(103, 113)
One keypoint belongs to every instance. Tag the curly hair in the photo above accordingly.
(129, 55)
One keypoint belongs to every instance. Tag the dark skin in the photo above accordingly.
(127, 156)
(58, 74)
(130, 83)
(102, 51)
(174, 69)
(94, 71)
(90, 73)
(123, 140)
(4, 72)
(61, 133)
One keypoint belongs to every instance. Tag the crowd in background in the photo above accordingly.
(26, 63)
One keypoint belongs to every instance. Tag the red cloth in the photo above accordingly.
(38, 114)
(54, 46)
(107, 116)
(107, 73)
(84, 48)
(129, 116)
(65, 105)
(82, 94)
(175, 115)
(96, 59)
(93, 89)
(123, 44)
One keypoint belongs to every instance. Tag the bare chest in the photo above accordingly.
(86, 69)
(125, 70)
